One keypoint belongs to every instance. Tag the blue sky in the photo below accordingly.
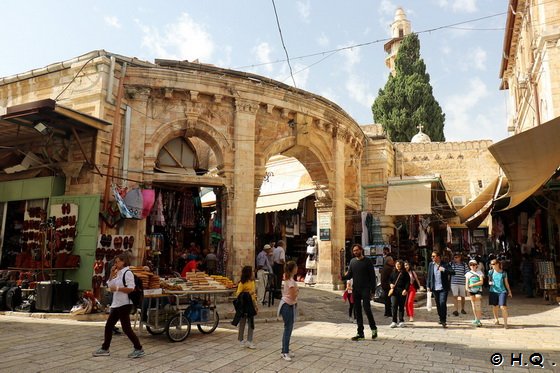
(463, 61)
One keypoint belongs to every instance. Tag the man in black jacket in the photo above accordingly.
(362, 273)
(438, 281)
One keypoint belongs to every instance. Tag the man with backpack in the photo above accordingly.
(121, 283)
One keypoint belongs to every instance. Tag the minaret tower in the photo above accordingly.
(399, 29)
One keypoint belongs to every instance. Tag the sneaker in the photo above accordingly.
(101, 352)
(373, 333)
(478, 323)
(286, 357)
(401, 324)
(463, 312)
(242, 343)
(444, 325)
(358, 338)
(393, 325)
(136, 354)
(250, 345)
(455, 313)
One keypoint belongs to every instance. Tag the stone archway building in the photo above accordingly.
(243, 120)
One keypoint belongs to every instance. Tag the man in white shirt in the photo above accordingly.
(264, 267)
(279, 260)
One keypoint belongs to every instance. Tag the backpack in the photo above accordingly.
(137, 294)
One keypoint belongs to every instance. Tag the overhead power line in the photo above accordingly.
(283, 45)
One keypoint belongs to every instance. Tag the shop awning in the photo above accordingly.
(528, 160)
(477, 220)
(409, 198)
(281, 201)
(479, 202)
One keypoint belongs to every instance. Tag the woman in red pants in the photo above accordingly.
(414, 285)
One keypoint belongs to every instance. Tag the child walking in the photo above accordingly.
(473, 283)
(246, 307)
(288, 307)
(347, 296)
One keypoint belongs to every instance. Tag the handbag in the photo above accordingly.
(429, 300)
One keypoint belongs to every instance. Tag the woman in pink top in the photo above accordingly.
(288, 307)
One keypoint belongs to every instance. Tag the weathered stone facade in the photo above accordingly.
(531, 63)
(243, 118)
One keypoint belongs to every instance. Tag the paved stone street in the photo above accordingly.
(320, 342)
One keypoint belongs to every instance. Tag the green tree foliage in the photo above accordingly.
(407, 99)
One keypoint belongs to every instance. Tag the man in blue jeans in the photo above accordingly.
(438, 282)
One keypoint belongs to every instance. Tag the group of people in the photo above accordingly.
(400, 282)
(402, 285)
(440, 278)
(193, 259)
(246, 301)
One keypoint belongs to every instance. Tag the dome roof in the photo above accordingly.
(400, 14)
(420, 137)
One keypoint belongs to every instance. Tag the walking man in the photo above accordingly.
(438, 282)
(279, 260)
(458, 283)
(362, 273)
(263, 269)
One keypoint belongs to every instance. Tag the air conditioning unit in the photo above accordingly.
(459, 201)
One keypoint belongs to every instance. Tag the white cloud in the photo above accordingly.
(386, 9)
(358, 90)
(478, 56)
(351, 56)
(323, 40)
(184, 39)
(304, 10)
(461, 113)
(468, 6)
(262, 53)
(112, 21)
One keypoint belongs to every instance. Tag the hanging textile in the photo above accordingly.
(364, 229)
(148, 198)
(134, 203)
(156, 216)
(118, 194)
(369, 224)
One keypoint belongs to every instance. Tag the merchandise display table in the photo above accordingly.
(174, 311)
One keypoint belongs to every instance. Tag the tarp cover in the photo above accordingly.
(528, 159)
(409, 199)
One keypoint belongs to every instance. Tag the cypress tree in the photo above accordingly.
(407, 99)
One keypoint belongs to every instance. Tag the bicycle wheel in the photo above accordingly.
(178, 328)
(210, 325)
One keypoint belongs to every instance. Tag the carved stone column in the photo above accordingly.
(242, 215)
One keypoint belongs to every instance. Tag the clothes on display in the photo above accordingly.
(311, 261)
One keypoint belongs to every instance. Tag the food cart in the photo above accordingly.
(177, 303)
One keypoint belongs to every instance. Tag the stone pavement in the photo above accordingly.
(320, 342)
